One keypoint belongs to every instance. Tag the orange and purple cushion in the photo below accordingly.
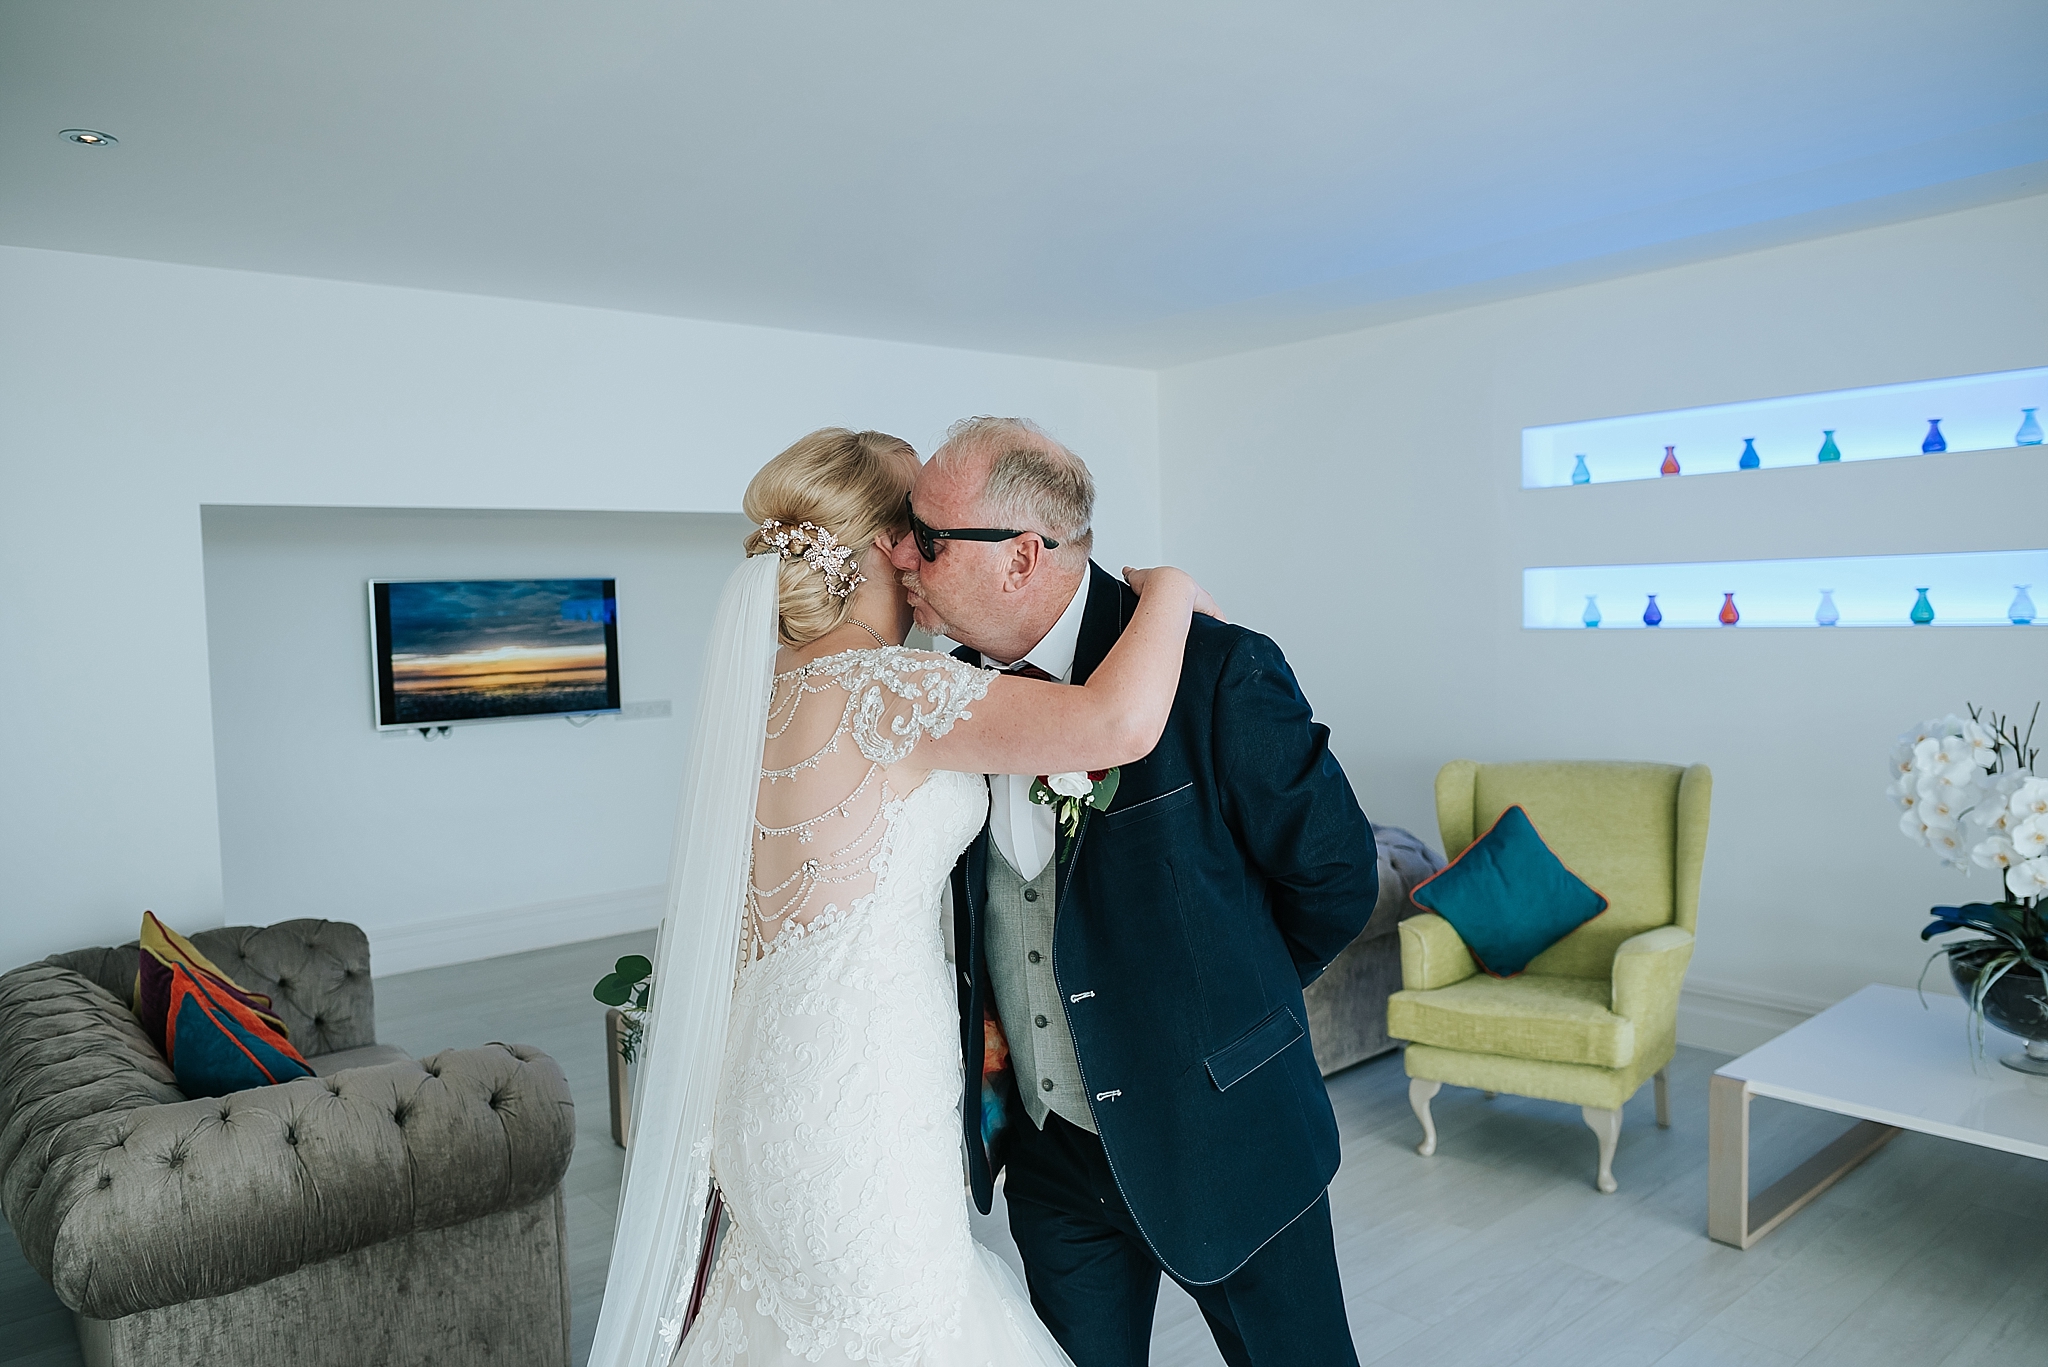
(216, 1044)
(162, 947)
(1508, 897)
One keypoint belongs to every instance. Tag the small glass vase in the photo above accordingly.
(1828, 450)
(1750, 460)
(2030, 430)
(1591, 616)
(1580, 474)
(1923, 611)
(1670, 465)
(2022, 610)
(1826, 615)
(1729, 616)
(1934, 441)
(1653, 615)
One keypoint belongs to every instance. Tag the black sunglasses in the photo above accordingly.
(928, 537)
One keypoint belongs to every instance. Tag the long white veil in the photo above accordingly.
(660, 1231)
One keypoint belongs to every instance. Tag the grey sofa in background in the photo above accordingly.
(1347, 1006)
(386, 1211)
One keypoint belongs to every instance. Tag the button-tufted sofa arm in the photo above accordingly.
(127, 1200)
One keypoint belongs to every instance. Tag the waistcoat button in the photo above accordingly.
(1039, 1021)
(1045, 1083)
(1033, 956)
(1031, 894)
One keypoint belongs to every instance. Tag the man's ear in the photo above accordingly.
(1026, 554)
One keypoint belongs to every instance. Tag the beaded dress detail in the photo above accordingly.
(836, 1141)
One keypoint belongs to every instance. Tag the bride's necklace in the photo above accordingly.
(870, 631)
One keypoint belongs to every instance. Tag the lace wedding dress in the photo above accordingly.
(835, 1140)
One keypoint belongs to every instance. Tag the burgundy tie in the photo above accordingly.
(1027, 670)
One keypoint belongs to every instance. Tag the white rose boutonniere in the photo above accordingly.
(1066, 794)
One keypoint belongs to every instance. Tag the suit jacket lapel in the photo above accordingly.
(1102, 621)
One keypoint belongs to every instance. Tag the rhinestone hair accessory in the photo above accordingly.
(819, 549)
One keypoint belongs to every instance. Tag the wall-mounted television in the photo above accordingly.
(465, 650)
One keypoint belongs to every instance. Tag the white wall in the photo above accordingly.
(132, 393)
(500, 837)
(1358, 497)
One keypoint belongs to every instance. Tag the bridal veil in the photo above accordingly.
(660, 1232)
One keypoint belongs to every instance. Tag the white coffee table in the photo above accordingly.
(1886, 1059)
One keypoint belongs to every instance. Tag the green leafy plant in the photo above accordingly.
(627, 987)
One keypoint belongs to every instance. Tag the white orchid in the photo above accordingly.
(1945, 754)
(1995, 854)
(1956, 785)
(2029, 879)
(1902, 760)
(1939, 809)
(2029, 800)
(2030, 838)
(1904, 790)
(1947, 842)
(1912, 827)
(1983, 743)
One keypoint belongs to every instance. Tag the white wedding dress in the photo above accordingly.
(835, 1140)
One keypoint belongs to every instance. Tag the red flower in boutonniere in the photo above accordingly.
(1066, 794)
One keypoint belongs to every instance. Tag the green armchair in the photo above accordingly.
(1596, 1014)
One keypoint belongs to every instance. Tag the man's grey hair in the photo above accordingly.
(1033, 483)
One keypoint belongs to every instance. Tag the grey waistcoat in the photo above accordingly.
(1019, 949)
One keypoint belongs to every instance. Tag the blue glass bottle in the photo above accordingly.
(1828, 450)
(1749, 459)
(2030, 429)
(1923, 611)
(1826, 615)
(1653, 615)
(2022, 610)
(1591, 616)
(1580, 474)
(1934, 441)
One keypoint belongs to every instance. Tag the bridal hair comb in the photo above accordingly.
(818, 548)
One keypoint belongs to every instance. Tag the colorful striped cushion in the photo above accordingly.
(217, 1045)
(217, 1036)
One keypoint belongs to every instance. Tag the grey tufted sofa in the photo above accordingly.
(1347, 1006)
(387, 1211)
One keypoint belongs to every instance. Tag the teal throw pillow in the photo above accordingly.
(1508, 897)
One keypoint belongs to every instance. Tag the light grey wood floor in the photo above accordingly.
(1497, 1251)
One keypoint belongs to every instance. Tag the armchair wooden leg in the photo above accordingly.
(1606, 1125)
(1421, 1091)
(1664, 1097)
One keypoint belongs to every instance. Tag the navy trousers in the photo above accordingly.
(1095, 1282)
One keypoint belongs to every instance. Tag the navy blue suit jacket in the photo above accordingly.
(1233, 865)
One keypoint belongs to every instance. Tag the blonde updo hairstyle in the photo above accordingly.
(850, 483)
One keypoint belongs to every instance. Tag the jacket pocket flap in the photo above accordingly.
(1237, 1060)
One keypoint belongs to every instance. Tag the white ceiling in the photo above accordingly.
(1137, 183)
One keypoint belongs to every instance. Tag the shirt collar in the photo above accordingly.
(1054, 653)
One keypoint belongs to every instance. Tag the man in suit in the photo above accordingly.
(1167, 1113)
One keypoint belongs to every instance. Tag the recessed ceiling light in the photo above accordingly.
(86, 137)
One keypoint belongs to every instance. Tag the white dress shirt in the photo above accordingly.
(1022, 829)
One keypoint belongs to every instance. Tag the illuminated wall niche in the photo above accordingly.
(1977, 413)
(1965, 589)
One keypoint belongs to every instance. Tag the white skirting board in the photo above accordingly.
(1734, 1020)
(431, 943)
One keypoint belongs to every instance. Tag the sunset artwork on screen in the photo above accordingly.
(472, 649)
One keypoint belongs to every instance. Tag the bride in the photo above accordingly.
(803, 1050)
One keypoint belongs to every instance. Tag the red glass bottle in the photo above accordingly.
(1670, 465)
(1729, 616)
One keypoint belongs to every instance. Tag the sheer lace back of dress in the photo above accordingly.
(841, 730)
